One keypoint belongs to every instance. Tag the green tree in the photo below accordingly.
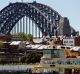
(32, 57)
(22, 60)
(29, 37)
(22, 35)
(2, 61)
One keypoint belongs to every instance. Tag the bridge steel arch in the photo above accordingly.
(44, 17)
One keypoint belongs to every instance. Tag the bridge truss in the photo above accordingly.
(45, 18)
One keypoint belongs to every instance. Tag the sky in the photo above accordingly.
(66, 8)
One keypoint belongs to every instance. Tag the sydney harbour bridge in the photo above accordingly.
(33, 18)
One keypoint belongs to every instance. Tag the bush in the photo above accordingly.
(24, 36)
(29, 37)
(32, 57)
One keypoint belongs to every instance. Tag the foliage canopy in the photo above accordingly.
(24, 36)
(32, 57)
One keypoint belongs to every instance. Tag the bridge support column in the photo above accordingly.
(32, 28)
(29, 25)
(20, 25)
(26, 25)
(23, 24)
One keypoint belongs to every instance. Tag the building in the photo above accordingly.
(18, 44)
(77, 41)
(69, 41)
(5, 37)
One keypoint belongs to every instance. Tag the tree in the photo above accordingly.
(22, 35)
(22, 60)
(32, 57)
(2, 61)
(29, 37)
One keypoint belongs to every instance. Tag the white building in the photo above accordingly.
(69, 41)
(20, 44)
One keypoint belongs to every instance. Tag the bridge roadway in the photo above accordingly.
(66, 69)
(10, 67)
(58, 62)
(24, 67)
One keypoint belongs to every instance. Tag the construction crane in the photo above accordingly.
(69, 54)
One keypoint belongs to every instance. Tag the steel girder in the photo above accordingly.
(44, 17)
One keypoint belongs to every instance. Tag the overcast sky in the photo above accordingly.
(67, 8)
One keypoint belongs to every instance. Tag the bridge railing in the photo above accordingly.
(61, 61)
